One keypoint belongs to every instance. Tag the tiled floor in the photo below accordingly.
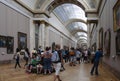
(75, 73)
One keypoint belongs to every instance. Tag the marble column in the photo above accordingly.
(88, 34)
(32, 34)
(42, 34)
(47, 36)
(61, 42)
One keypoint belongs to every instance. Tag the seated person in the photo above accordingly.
(39, 68)
(39, 64)
(33, 63)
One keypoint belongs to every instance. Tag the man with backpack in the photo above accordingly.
(57, 60)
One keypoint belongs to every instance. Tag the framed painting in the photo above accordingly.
(94, 47)
(10, 45)
(2, 41)
(101, 38)
(107, 42)
(118, 42)
(116, 15)
(22, 40)
(53, 46)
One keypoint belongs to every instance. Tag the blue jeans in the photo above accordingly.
(95, 66)
(47, 63)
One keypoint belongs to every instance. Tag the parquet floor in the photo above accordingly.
(76, 73)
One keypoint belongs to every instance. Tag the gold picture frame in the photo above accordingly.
(118, 42)
(3, 42)
(107, 42)
(10, 45)
(22, 40)
(101, 38)
(116, 15)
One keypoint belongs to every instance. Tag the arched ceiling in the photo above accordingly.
(76, 26)
(82, 38)
(50, 5)
(72, 13)
(82, 42)
(78, 30)
(84, 4)
(79, 34)
(74, 20)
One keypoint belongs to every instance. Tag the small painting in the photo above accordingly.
(22, 40)
(101, 38)
(107, 42)
(2, 41)
(118, 42)
(116, 15)
(10, 45)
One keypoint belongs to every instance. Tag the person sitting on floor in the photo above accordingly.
(33, 63)
(39, 64)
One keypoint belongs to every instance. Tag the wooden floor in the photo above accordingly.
(76, 73)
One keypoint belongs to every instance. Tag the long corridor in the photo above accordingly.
(41, 32)
(75, 73)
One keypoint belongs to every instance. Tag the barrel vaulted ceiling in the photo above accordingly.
(41, 5)
(72, 13)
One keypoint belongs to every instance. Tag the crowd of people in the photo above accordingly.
(49, 60)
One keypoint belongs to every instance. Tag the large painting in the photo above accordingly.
(118, 42)
(101, 38)
(107, 42)
(3, 41)
(22, 40)
(53, 46)
(10, 45)
(116, 16)
(94, 47)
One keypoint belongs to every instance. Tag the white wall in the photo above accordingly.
(106, 22)
(13, 4)
(59, 38)
(12, 22)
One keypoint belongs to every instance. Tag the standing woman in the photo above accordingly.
(47, 61)
(17, 58)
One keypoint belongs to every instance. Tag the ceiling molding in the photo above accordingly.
(81, 39)
(51, 5)
(57, 3)
(92, 20)
(78, 30)
(31, 10)
(96, 11)
(74, 20)
(81, 36)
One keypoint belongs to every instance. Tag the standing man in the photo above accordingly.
(97, 57)
(57, 60)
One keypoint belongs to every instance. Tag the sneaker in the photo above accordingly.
(45, 73)
(91, 73)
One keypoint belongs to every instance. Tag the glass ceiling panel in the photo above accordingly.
(77, 25)
(69, 11)
(82, 38)
(92, 3)
(80, 33)
(82, 41)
